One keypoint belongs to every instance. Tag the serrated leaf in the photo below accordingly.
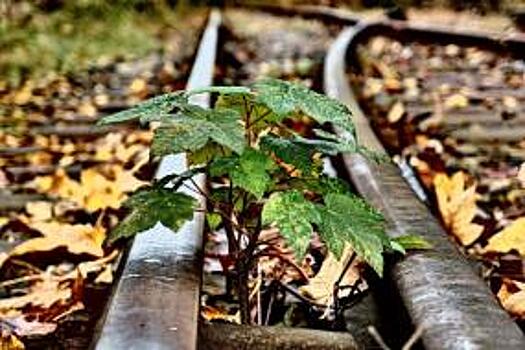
(155, 108)
(248, 171)
(411, 242)
(191, 131)
(284, 98)
(349, 218)
(150, 206)
(293, 215)
(292, 153)
(329, 144)
(321, 185)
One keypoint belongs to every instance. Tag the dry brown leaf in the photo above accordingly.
(396, 112)
(457, 206)
(210, 313)
(22, 327)
(77, 239)
(321, 286)
(512, 296)
(511, 237)
(43, 294)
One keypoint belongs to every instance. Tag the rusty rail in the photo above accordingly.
(156, 302)
(441, 291)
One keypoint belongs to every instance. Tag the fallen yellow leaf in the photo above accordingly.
(40, 210)
(456, 101)
(457, 206)
(77, 239)
(511, 237)
(512, 297)
(396, 112)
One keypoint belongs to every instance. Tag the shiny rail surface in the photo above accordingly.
(156, 302)
(441, 291)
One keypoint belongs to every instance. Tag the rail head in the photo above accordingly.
(441, 291)
(156, 302)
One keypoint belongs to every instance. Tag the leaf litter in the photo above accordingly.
(461, 131)
(54, 258)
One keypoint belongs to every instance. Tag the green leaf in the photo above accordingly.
(284, 98)
(214, 220)
(293, 215)
(223, 90)
(322, 185)
(349, 218)
(155, 108)
(191, 131)
(150, 206)
(248, 171)
(409, 242)
(297, 154)
(207, 153)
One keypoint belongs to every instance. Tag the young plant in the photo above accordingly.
(264, 172)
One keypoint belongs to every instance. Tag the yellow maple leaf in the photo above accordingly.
(511, 237)
(77, 239)
(457, 206)
(99, 192)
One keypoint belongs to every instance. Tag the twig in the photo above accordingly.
(22, 279)
(413, 338)
(377, 337)
(286, 260)
(299, 296)
(270, 304)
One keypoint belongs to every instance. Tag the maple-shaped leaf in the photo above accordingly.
(348, 218)
(154, 205)
(190, 131)
(293, 153)
(293, 215)
(77, 239)
(155, 108)
(248, 171)
(457, 206)
(284, 98)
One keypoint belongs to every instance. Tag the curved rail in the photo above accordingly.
(441, 291)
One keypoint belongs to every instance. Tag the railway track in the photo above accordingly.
(444, 269)
(156, 299)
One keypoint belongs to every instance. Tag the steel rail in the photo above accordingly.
(440, 289)
(156, 302)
